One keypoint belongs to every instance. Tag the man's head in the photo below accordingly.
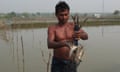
(62, 12)
(61, 6)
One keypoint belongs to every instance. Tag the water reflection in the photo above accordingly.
(101, 50)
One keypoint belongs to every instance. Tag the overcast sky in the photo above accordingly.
(48, 5)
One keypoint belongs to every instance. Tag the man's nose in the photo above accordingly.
(64, 17)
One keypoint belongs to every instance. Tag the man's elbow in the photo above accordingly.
(49, 45)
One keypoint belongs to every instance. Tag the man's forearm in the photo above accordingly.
(54, 45)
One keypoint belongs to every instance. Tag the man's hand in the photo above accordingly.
(80, 35)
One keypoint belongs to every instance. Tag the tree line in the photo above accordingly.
(37, 14)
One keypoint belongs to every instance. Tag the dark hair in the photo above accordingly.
(61, 6)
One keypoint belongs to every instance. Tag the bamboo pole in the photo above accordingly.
(23, 54)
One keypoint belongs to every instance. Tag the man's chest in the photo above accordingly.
(63, 33)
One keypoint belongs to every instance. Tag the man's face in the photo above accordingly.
(63, 16)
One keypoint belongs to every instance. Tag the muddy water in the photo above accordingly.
(25, 50)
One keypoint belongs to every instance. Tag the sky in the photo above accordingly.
(81, 6)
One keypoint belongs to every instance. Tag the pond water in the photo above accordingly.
(25, 50)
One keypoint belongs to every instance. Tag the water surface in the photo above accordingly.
(101, 50)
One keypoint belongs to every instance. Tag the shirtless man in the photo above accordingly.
(58, 35)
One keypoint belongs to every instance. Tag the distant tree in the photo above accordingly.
(33, 14)
(25, 14)
(85, 14)
(116, 12)
(38, 13)
(12, 14)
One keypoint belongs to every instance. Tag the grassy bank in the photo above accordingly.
(46, 24)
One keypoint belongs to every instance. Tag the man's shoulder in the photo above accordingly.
(52, 27)
(70, 23)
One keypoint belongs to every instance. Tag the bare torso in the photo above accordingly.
(63, 33)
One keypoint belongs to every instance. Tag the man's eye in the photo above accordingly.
(65, 14)
(61, 15)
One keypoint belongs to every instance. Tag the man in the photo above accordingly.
(59, 35)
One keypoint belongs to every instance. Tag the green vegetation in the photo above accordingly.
(40, 20)
(31, 25)
(44, 24)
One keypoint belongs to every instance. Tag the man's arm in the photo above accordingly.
(52, 44)
(81, 34)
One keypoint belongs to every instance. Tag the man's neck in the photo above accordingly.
(62, 24)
